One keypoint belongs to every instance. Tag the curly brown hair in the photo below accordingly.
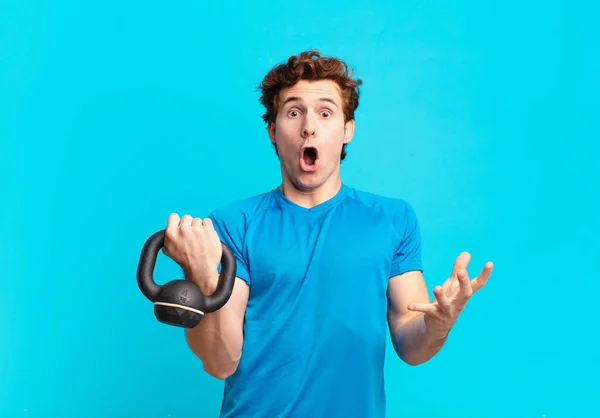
(309, 65)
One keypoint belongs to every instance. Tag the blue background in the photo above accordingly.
(115, 114)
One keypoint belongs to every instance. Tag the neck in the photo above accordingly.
(311, 197)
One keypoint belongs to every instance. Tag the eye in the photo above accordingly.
(326, 113)
(293, 113)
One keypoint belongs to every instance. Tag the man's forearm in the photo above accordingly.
(415, 343)
(217, 341)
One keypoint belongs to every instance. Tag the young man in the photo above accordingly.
(324, 271)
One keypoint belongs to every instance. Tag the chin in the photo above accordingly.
(304, 185)
(307, 181)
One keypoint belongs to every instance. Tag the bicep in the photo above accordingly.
(404, 289)
(238, 301)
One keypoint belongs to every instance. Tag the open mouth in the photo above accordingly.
(309, 160)
(309, 156)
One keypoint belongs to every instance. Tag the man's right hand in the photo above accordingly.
(194, 244)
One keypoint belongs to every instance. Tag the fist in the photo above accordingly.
(194, 244)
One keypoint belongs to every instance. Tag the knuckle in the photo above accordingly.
(170, 234)
(173, 219)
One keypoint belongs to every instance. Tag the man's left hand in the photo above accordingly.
(451, 298)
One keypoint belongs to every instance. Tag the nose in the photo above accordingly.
(308, 132)
(309, 128)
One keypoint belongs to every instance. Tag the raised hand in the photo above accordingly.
(452, 296)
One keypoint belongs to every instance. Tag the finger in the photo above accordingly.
(207, 222)
(173, 221)
(185, 225)
(186, 220)
(480, 281)
(428, 308)
(441, 298)
(170, 231)
(466, 290)
(461, 262)
(196, 222)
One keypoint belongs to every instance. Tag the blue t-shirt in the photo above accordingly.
(316, 322)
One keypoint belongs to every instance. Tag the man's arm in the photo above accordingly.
(419, 328)
(413, 341)
(218, 339)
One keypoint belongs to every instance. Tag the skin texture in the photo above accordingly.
(311, 114)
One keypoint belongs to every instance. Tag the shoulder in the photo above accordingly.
(241, 212)
(397, 214)
(231, 223)
(393, 208)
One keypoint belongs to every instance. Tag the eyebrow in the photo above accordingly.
(321, 99)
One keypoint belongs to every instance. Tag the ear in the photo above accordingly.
(348, 131)
(271, 131)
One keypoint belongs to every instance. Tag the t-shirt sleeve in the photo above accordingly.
(407, 255)
(230, 228)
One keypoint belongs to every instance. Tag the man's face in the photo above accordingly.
(309, 132)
